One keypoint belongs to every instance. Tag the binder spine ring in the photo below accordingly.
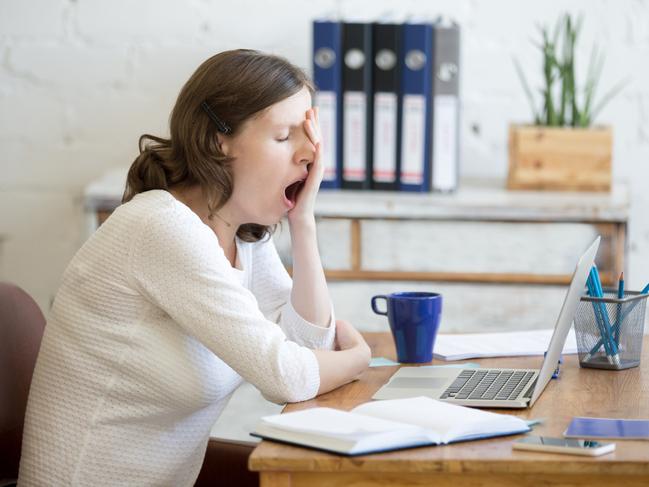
(324, 57)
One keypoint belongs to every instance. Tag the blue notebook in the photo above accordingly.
(621, 429)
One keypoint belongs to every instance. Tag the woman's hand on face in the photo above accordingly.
(305, 204)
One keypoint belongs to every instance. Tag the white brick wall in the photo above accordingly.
(81, 80)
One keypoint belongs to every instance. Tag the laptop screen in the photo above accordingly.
(564, 321)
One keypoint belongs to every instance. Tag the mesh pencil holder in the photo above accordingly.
(609, 330)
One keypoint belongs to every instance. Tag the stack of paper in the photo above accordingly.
(511, 344)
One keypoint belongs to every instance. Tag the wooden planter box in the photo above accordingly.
(560, 158)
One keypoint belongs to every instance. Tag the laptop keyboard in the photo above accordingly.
(498, 385)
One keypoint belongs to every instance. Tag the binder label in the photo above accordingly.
(413, 137)
(385, 137)
(354, 138)
(326, 102)
(445, 142)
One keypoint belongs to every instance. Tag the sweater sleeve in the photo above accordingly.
(272, 286)
(178, 265)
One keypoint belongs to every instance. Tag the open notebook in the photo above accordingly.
(386, 425)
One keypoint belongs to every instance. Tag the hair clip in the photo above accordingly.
(221, 126)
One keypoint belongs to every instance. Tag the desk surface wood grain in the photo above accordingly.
(578, 392)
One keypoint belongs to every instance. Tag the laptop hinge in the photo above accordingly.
(530, 390)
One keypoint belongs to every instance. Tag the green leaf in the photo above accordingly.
(619, 86)
(526, 88)
(592, 81)
(565, 101)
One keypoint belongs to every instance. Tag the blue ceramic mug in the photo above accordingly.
(414, 320)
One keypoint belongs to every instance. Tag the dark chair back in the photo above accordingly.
(21, 329)
(226, 464)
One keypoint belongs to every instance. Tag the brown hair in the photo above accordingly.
(235, 85)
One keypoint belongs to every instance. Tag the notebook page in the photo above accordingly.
(333, 422)
(448, 421)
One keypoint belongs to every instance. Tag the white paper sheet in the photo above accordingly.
(511, 344)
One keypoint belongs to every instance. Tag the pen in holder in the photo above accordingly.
(609, 330)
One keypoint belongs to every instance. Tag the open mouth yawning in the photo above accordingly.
(292, 191)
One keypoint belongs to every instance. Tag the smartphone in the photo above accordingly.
(564, 445)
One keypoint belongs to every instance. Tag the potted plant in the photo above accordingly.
(562, 150)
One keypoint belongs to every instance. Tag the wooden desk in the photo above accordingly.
(578, 392)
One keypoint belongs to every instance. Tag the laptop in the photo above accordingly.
(494, 388)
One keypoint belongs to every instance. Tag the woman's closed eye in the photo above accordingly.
(283, 139)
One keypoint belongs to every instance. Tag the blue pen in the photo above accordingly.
(626, 313)
(628, 310)
(607, 323)
(602, 340)
(603, 323)
(599, 320)
(618, 322)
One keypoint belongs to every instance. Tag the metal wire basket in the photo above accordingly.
(609, 330)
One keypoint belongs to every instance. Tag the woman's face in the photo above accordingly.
(272, 152)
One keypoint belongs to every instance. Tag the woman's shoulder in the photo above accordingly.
(157, 213)
(158, 204)
(154, 198)
(170, 232)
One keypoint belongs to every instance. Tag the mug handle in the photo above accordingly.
(374, 307)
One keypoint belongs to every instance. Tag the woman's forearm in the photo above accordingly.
(340, 367)
(309, 295)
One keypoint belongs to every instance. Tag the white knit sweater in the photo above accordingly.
(150, 333)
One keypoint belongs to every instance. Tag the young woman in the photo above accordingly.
(180, 295)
